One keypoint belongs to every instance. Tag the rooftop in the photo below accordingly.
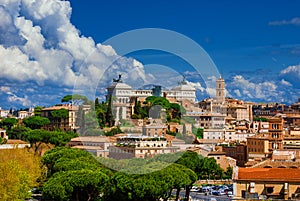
(16, 142)
(67, 107)
(92, 139)
(88, 147)
(119, 85)
(269, 174)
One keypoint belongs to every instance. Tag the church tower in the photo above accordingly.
(220, 90)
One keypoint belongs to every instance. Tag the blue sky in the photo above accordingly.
(236, 34)
(47, 47)
(252, 38)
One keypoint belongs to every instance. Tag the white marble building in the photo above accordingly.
(122, 94)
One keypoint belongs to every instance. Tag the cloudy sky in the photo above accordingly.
(49, 46)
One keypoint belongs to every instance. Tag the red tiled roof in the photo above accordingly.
(269, 174)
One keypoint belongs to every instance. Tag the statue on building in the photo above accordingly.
(183, 82)
(119, 79)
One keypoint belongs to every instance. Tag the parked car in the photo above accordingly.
(206, 189)
(195, 189)
(214, 192)
(230, 194)
(221, 192)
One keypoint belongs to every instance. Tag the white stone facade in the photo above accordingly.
(122, 93)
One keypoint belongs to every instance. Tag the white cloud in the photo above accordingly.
(24, 101)
(39, 43)
(294, 21)
(291, 74)
(237, 92)
(286, 83)
(5, 89)
(294, 70)
(247, 89)
(197, 85)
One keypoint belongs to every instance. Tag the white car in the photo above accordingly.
(194, 189)
(229, 194)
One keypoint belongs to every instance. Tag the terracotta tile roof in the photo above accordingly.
(269, 174)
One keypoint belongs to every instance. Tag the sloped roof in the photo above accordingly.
(269, 174)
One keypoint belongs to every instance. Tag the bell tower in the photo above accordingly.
(220, 90)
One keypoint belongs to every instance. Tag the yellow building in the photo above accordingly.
(140, 146)
(64, 124)
(97, 145)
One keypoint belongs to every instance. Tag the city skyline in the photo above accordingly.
(45, 47)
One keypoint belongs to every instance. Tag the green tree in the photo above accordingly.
(139, 111)
(263, 119)
(38, 110)
(90, 120)
(97, 103)
(148, 180)
(36, 122)
(18, 132)
(75, 99)
(198, 132)
(182, 176)
(209, 169)
(228, 173)
(110, 121)
(58, 154)
(184, 129)
(76, 185)
(19, 172)
(73, 174)
(176, 111)
(3, 140)
(190, 160)
(173, 110)
(101, 110)
(38, 137)
(8, 123)
(60, 114)
(113, 131)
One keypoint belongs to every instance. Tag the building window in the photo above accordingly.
(269, 189)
